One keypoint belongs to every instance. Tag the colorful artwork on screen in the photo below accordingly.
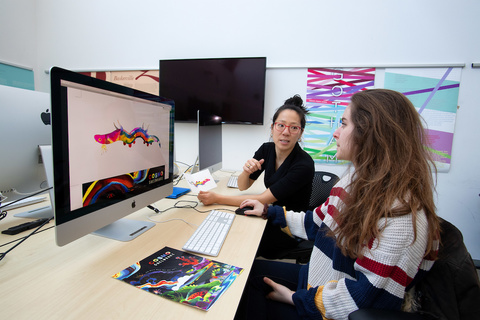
(127, 137)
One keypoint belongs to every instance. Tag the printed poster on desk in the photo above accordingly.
(181, 276)
(201, 181)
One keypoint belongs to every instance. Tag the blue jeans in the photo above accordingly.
(254, 304)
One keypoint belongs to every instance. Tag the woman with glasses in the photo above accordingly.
(289, 172)
(375, 236)
(288, 168)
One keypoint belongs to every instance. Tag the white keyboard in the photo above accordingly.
(210, 235)
(232, 182)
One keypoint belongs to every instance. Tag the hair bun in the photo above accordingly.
(296, 100)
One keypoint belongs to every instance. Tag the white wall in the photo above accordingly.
(18, 44)
(121, 35)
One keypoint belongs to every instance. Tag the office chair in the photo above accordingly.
(321, 186)
(450, 290)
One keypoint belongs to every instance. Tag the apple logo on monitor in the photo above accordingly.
(45, 117)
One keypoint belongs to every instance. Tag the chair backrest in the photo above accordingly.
(322, 184)
(451, 289)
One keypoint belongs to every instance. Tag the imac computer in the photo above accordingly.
(25, 126)
(112, 155)
(209, 142)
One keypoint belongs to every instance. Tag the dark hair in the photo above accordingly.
(294, 103)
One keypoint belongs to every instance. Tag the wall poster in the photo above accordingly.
(18, 77)
(328, 94)
(433, 92)
(143, 80)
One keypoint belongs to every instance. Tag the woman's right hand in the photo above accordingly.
(207, 197)
(280, 293)
(253, 165)
(258, 207)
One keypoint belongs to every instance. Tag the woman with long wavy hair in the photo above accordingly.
(375, 236)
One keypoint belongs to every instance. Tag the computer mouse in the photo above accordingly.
(242, 210)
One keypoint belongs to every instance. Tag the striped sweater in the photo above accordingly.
(333, 285)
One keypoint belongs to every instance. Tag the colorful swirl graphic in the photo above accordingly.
(128, 138)
(201, 183)
(117, 187)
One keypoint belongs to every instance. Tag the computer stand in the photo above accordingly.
(196, 169)
(124, 229)
(46, 211)
(43, 212)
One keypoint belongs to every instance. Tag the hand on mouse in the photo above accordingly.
(257, 207)
(253, 165)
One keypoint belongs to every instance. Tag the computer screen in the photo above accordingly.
(232, 88)
(209, 142)
(112, 155)
(25, 125)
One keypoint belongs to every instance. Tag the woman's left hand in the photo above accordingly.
(280, 293)
(253, 165)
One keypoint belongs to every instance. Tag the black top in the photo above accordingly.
(291, 184)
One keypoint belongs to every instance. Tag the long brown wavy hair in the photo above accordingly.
(393, 170)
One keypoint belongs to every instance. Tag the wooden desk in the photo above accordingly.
(39, 280)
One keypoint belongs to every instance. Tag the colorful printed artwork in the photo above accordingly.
(201, 181)
(328, 94)
(182, 277)
(434, 93)
(128, 138)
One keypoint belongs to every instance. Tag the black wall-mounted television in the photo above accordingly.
(232, 88)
